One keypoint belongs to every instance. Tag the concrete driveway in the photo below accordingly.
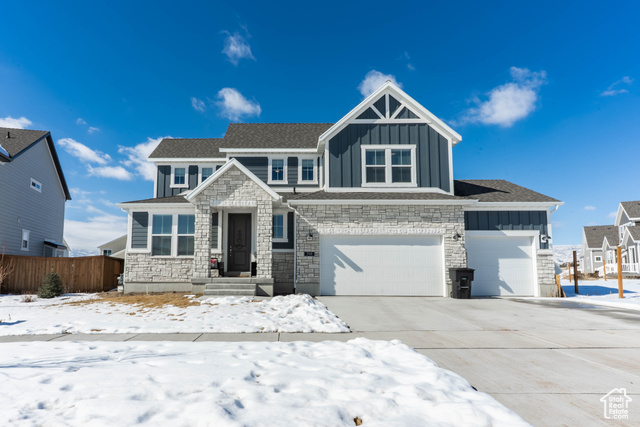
(550, 361)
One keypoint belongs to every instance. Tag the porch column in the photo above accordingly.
(202, 241)
(264, 236)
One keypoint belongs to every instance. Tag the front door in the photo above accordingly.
(239, 236)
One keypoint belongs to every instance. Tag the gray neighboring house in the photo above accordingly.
(33, 193)
(114, 248)
(592, 246)
(364, 206)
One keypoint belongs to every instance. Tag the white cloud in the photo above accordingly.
(137, 157)
(93, 129)
(80, 121)
(611, 91)
(236, 48)
(82, 152)
(612, 214)
(589, 208)
(197, 104)
(373, 80)
(97, 230)
(234, 105)
(10, 122)
(509, 102)
(117, 172)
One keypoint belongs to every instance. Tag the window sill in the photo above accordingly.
(385, 185)
(179, 186)
(269, 182)
(274, 240)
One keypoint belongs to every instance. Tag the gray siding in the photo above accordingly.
(432, 152)
(507, 220)
(23, 208)
(259, 166)
(164, 181)
(290, 231)
(139, 229)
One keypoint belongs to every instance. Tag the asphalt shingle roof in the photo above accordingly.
(169, 199)
(635, 232)
(20, 139)
(497, 190)
(274, 135)
(632, 208)
(188, 148)
(595, 235)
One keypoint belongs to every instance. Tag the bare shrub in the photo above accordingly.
(6, 268)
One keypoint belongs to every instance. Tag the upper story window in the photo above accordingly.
(277, 171)
(179, 176)
(307, 170)
(389, 166)
(205, 173)
(36, 185)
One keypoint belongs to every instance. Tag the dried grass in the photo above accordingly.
(142, 301)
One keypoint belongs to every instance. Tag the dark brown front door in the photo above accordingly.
(239, 237)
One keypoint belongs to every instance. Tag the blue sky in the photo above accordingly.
(544, 95)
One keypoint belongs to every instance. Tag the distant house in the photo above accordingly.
(592, 241)
(33, 192)
(115, 248)
(628, 223)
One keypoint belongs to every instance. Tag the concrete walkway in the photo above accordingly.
(550, 361)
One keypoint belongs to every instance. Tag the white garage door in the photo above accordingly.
(504, 265)
(381, 265)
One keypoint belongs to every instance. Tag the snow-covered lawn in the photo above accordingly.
(605, 293)
(236, 384)
(292, 313)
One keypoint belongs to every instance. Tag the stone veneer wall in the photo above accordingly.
(546, 273)
(142, 267)
(233, 190)
(371, 220)
(283, 268)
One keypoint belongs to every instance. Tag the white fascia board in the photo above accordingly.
(217, 174)
(489, 233)
(268, 150)
(111, 242)
(188, 160)
(153, 206)
(386, 190)
(494, 206)
(380, 202)
(436, 123)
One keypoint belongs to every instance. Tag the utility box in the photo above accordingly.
(461, 279)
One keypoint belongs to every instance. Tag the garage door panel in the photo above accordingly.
(381, 265)
(504, 265)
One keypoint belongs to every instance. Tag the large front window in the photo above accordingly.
(167, 239)
(161, 235)
(389, 166)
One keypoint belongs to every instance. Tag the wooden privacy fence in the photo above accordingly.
(82, 274)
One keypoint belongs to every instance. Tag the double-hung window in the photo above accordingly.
(389, 166)
(277, 171)
(186, 229)
(161, 232)
(179, 177)
(307, 170)
(280, 227)
(205, 173)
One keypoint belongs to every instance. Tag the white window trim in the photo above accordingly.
(107, 250)
(200, 167)
(315, 169)
(186, 176)
(388, 167)
(284, 238)
(596, 258)
(285, 172)
(37, 187)
(174, 234)
(26, 233)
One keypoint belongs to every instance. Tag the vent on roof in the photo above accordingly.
(8, 134)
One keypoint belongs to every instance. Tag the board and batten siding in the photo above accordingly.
(164, 181)
(21, 207)
(139, 230)
(507, 220)
(259, 166)
(432, 152)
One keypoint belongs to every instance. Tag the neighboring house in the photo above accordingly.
(115, 248)
(628, 222)
(592, 246)
(33, 193)
(365, 206)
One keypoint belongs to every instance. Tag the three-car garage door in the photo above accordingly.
(504, 265)
(381, 265)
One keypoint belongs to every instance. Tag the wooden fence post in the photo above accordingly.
(619, 254)
(604, 266)
(575, 271)
(569, 269)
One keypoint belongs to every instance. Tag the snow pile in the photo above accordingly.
(237, 384)
(564, 253)
(605, 293)
(292, 313)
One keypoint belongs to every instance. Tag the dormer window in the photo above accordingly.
(389, 166)
(179, 176)
(277, 171)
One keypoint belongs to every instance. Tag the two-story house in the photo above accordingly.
(364, 206)
(593, 240)
(33, 193)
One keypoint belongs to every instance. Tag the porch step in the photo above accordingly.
(239, 286)
(228, 293)
(234, 288)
